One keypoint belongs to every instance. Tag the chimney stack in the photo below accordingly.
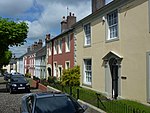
(40, 43)
(47, 39)
(67, 23)
(71, 19)
(28, 49)
(35, 45)
(97, 4)
(63, 24)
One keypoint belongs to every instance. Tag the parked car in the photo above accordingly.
(7, 76)
(50, 103)
(17, 83)
(17, 73)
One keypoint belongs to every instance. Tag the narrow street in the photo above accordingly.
(10, 103)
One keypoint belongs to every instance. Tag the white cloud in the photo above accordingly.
(50, 17)
(14, 7)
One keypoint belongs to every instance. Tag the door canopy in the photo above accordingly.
(110, 55)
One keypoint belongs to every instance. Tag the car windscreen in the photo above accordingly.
(54, 104)
(19, 79)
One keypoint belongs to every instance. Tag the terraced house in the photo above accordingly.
(60, 49)
(112, 47)
(32, 59)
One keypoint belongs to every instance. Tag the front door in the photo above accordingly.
(114, 75)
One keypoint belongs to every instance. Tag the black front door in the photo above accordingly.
(114, 75)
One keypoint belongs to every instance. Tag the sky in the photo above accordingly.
(42, 16)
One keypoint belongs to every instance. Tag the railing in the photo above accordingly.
(96, 99)
(115, 106)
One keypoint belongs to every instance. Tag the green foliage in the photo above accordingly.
(12, 34)
(28, 75)
(6, 58)
(52, 79)
(71, 77)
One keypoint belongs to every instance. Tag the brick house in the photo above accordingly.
(60, 49)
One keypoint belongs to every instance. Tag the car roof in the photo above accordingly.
(47, 94)
(17, 76)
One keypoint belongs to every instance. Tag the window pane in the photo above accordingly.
(87, 31)
(112, 19)
(88, 71)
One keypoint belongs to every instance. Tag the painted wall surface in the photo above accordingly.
(65, 56)
(20, 66)
(60, 58)
(132, 45)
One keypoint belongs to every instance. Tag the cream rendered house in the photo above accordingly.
(112, 47)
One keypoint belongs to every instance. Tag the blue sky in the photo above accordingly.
(42, 16)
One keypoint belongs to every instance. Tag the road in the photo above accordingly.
(11, 103)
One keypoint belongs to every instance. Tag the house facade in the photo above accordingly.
(29, 57)
(60, 49)
(40, 64)
(20, 65)
(113, 51)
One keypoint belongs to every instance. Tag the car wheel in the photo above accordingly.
(10, 91)
(28, 91)
(7, 89)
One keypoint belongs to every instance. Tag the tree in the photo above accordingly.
(71, 77)
(11, 34)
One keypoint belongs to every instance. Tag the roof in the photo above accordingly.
(112, 54)
(12, 61)
(62, 34)
(101, 12)
(41, 52)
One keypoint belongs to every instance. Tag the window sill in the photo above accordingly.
(112, 40)
(67, 52)
(87, 85)
(85, 46)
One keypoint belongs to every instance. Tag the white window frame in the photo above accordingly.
(67, 43)
(60, 73)
(55, 69)
(87, 72)
(55, 47)
(87, 34)
(112, 25)
(60, 46)
(66, 64)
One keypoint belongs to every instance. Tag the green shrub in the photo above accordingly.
(36, 78)
(52, 79)
(71, 77)
(28, 75)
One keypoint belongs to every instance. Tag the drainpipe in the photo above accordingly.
(52, 57)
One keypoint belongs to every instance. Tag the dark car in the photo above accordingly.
(7, 76)
(50, 103)
(17, 83)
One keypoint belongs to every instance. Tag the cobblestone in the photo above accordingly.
(10, 103)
